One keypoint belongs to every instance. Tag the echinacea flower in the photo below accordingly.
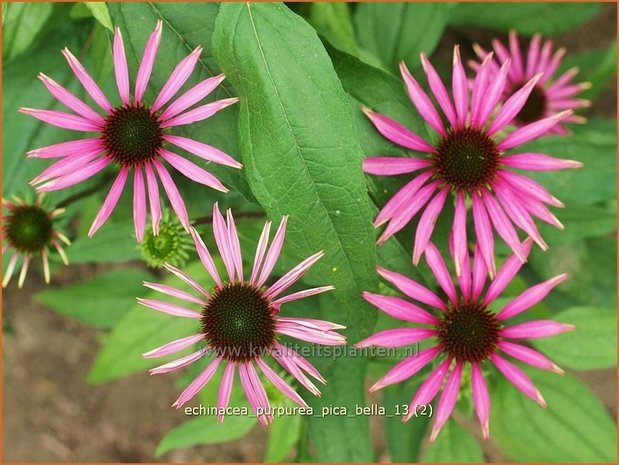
(467, 334)
(132, 135)
(28, 230)
(551, 94)
(468, 160)
(240, 320)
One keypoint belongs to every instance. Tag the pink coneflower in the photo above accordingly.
(551, 94)
(240, 321)
(132, 135)
(466, 331)
(28, 230)
(468, 160)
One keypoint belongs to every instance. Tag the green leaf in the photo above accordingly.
(574, 427)
(114, 243)
(334, 22)
(593, 345)
(527, 18)
(100, 301)
(143, 329)
(454, 444)
(100, 12)
(204, 430)
(284, 433)
(21, 25)
(396, 32)
(300, 152)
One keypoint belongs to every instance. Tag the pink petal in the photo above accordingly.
(396, 337)
(427, 222)
(429, 388)
(459, 87)
(202, 150)
(197, 384)
(502, 224)
(120, 67)
(391, 166)
(312, 323)
(279, 383)
(531, 131)
(176, 80)
(186, 279)
(518, 378)
(110, 201)
(225, 390)
(401, 198)
(562, 80)
(529, 187)
(439, 90)
(439, 269)
(200, 113)
(178, 363)
(192, 96)
(192, 171)
(205, 257)
(62, 120)
(220, 231)
(397, 133)
(517, 71)
(170, 309)
(76, 176)
(539, 162)
(153, 197)
(66, 166)
(65, 149)
(173, 194)
(510, 268)
(530, 297)
(289, 364)
(422, 101)
(481, 399)
(71, 101)
(89, 84)
(10, 269)
(174, 346)
(305, 333)
(529, 356)
(260, 250)
(139, 204)
(412, 289)
(483, 233)
(533, 54)
(292, 276)
(406, 368)
(480, 86)
(173, 292)
(147, 62)
(479, 274)
(302, 294)
(252, 391)
(536, 329)
(447, 401)
(494, 92)
(400, 309)
(512, 106)
(461, 253)
(273, 253)
(235, 246)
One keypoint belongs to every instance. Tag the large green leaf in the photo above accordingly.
(396, 32)
(453, 445)
(573, 428)
(300, 151)
(21, 25)
(284, 433)
(113, 244)
(592, 345)
(100, 301)
(526, 18)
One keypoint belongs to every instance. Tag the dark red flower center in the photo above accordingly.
(534, 108)
(132, 135)
(466, 159)
(238, 322)
(469, 332)
(28, 229)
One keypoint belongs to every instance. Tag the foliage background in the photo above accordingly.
(73, 385)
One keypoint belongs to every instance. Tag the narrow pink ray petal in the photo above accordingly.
(531, 131)
(406, 368)
(569, 104)
(459, 235)
(483, 233)
(530, 297)
(220, 231)
(176, 80)
(279, 383)
(62, 120)
(186, 279)
(225, 390)
(24, 271)
(518, 378)
(501, 52)
(273, 253)
(529, 356)
(533, 54)
(427, 223)
(529, 187)
(302, 294)
(447, 401)
(260, 391)
(302, 363)
(61, 252)
(465, 278)
(564, 79)
(400, 308)
(544, 58)
(170, 309)
(439, 269)
(538, 162)
(192, 171)
(517, 68)
(397, 133)
(197, 384)
(66, 166)
(391, 166)
(110, 201)
(260, 250)
(205, 257)
(71, 101)
(412, 289)
(396, 337)
(203, 151)
(502, 224)
(421, 101)
(292, 276)
(567, 91)
(254, 396)
(429, 388)
(512, 106)
(153, 197)
(173, 292)
(481, 399)
(510, 268)
(401, 198)
(291, 367)
(200, 113)
(480, 86)
(494, 92)
(539, 210)
(192, 96)
(439, 90)
(174, 346)
(173, 194)
(479, 273)
(235, 246)
(76, 176)
(313, 323)
(147, 62)
(536, 329)
(87, 82)
(304, 333)
(64, 149)
(459, 88)
(139, 204)
(120, 67)
(178, 363)
(10, 269)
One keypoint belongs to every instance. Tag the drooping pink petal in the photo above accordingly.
(173, 194)
(479, 273)
(62, 120)
(530, 297)
(439, 269)
(306, 333)
(292, 276)
(176, 80)
(447, 401)
(235, 246)
(173, 292)
(439, 90)
(512, 106)
(10, 269)
(429, 388)
(302, 294)
(481, 399)
(427, 223)
(153, 197)
(120, 67)
(110, 201)
(139, 204)
(174, 346)
(202, 150)
(539, 162)
(225, 390)
(260, 395)
(197, 384)
(483, 233)
(279, 383)
(87, 82)
(400, 308)
(531, 131)
(71, 101)
(459, 234)
(66, 166)
(170, 309)
(76, 176)
(392, 166)
(397, 133)
(313, 323)
(502, 224)
(192, 96)
(421, 101)
(412, 289)
(282, 357)
(518, 378)
(273, 252)
(200, 113)
(147, 62)
(178, 363)
(536, 329)
(510, 268)
(220, 231)
(465, 278)
(192, 171)
(186, 279)
(260, 251)
(65, 149)
(406, 368)
(401, 198)
(529, 187)
(205, 257)
(529, 356)
(459, 88)
(302, 363)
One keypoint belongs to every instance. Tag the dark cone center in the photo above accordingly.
(132, 135)
(534, 108)
(238, 322)
(469, 333)
(28, 229)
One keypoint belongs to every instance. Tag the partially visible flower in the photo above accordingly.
(171, 244)
(467, 333)
(132, 135)
(469, 160)
(28, 230)
(551, 94)
(240, 320)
